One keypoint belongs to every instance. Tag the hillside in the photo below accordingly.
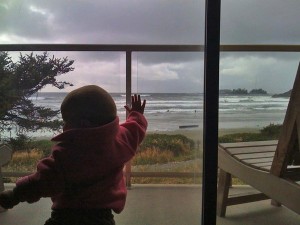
(283, 95)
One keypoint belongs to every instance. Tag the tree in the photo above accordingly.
(258, 92)
(24, 78)
(239, 91)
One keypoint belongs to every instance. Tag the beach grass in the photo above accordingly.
(167, 180)
(270, 132)
(157, 149)
(175, 151)
(24, 161)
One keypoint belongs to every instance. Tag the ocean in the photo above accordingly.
(164, 111)
(173, 111)
(238, 111)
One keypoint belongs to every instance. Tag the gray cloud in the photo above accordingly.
(160, 22)
(135, 22)
(260, 22)
(271, 72)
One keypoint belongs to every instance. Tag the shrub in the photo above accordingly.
(178, 144)
(272, 130)
(241, 137)
(20, 143)
(152, 156)
(25, 143)
(43, 145)
(24, 160)
(269, 132)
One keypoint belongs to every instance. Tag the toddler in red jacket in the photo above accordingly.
(84, 173)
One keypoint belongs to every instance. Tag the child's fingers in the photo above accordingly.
(127, 108)
(144, 104)
(136, 98)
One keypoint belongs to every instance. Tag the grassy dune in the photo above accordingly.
(174, 151)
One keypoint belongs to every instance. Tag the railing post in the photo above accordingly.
(128, 102)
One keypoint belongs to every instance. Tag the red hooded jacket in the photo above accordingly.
(85, 169)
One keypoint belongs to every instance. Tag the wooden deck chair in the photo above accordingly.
(271, 167)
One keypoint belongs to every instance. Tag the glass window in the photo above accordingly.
(167, 170)
(251, 107)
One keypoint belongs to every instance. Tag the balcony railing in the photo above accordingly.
(141, 48)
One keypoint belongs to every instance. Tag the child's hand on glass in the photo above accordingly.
(136, 104)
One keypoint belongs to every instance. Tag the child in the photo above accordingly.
(84, 174)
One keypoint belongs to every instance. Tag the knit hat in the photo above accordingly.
(89, 103)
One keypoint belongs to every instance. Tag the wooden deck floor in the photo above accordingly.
(165, 205)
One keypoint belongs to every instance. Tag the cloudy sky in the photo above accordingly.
(160, 22)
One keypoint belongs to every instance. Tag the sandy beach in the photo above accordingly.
(196, 134)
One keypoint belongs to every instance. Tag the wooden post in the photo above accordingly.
(289, 133)
(223, 191)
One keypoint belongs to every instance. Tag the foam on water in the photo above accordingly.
(167, 111)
